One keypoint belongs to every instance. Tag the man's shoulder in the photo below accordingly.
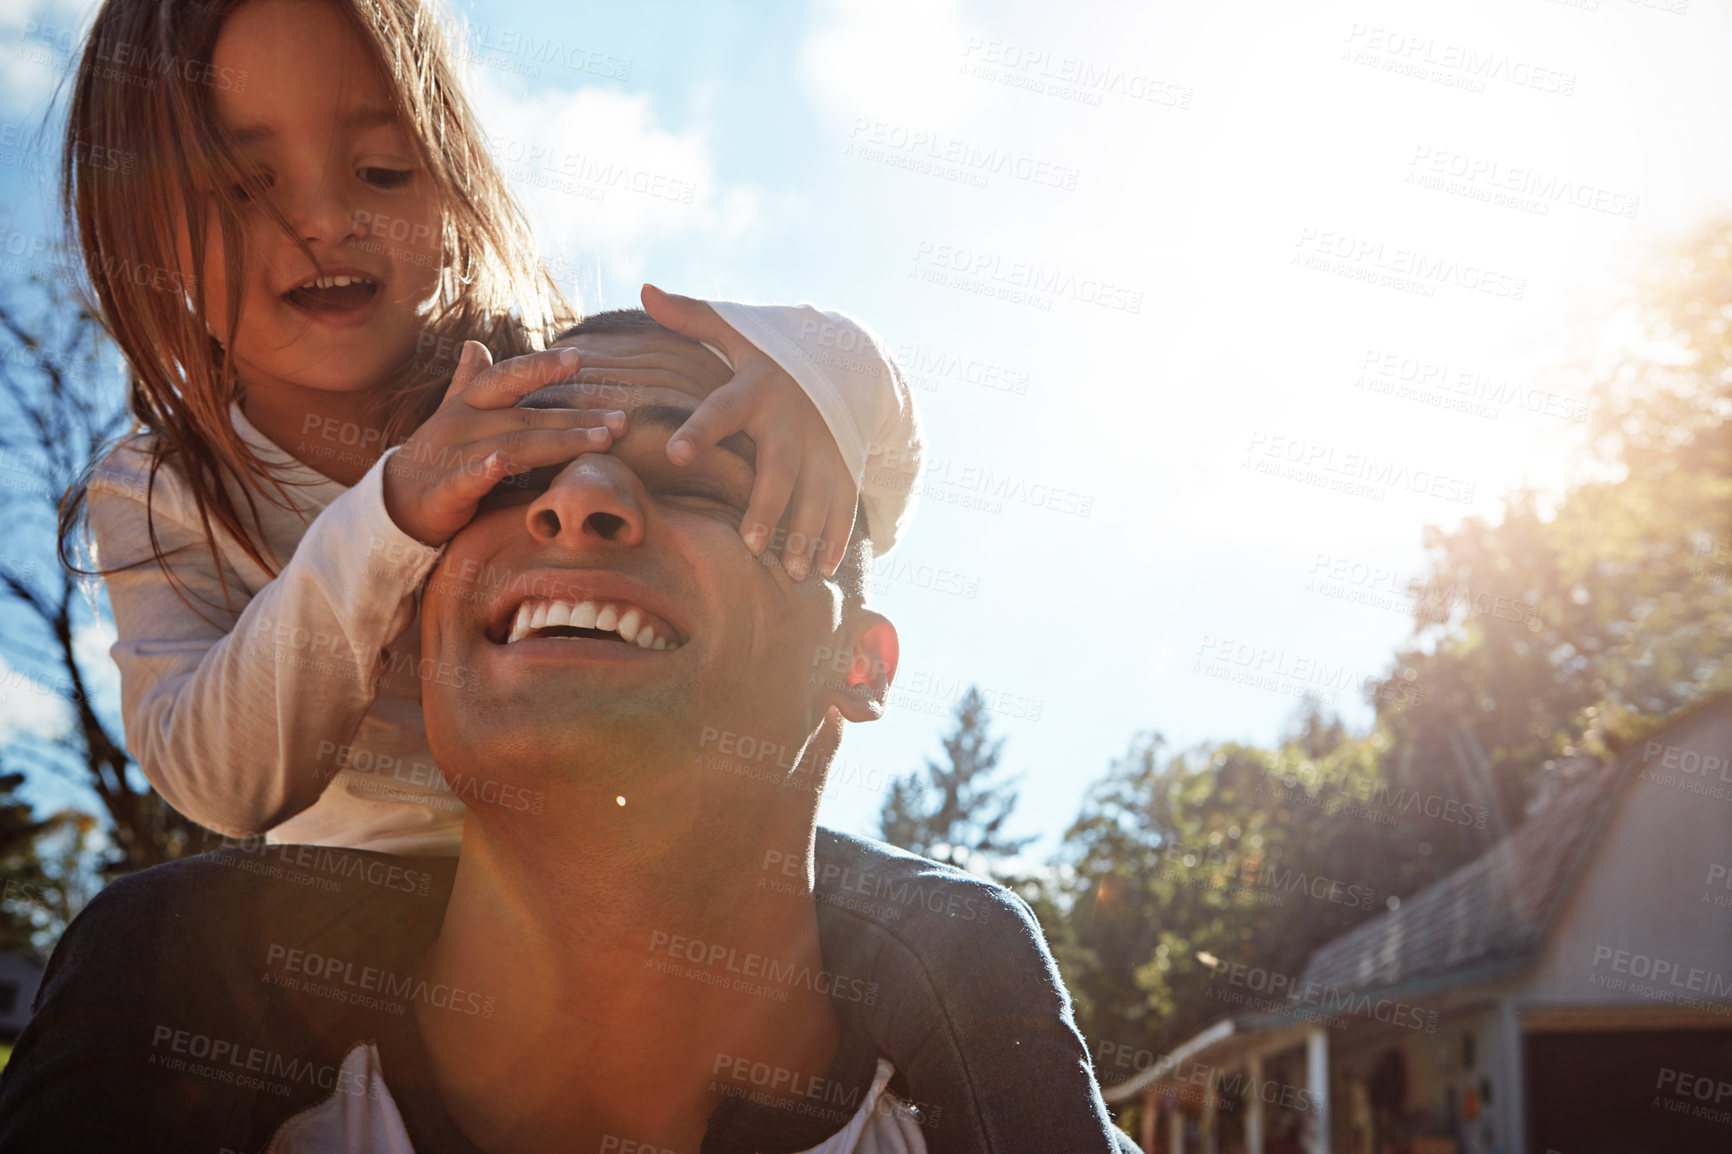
(155, 922)
(848, 849)
(205, 997)
(950, 976)
(891, 885)
(208, 908)
(932, 926)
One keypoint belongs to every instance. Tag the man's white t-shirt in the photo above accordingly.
(361, 1117)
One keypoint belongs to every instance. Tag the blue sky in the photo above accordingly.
(1210, 308)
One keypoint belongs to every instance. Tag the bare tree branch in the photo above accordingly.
(66, 388)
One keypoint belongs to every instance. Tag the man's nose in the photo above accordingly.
(595, 498)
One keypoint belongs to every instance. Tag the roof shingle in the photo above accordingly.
(1497, 908)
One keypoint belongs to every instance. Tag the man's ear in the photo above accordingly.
(872, 656)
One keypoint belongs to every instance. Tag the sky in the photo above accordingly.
(1209, 309)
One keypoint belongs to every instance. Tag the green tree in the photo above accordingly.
(955, 812)
(1548, 635)
(44, 871)
(1555, 632)
(1663, 401)
(26, 897)
(1225, 855)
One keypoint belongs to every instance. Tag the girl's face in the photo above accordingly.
(315, 116)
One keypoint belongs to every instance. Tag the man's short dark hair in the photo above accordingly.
(854, 574)
(614, 321)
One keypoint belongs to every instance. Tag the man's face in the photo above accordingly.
(534, 600)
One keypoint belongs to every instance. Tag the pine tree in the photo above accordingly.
(953, 813)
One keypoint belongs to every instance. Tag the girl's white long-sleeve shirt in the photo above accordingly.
(238, 680)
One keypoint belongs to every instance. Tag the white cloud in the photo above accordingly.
(91, 642)
(603, 181)
(894, 60)
(29, 708)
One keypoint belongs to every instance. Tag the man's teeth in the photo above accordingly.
(633, 625)
(337, 281)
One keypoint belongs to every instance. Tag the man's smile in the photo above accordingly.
(603, 620)
(569, 605)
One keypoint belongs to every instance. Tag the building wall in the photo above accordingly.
(1438, 1076)
(1649, 922)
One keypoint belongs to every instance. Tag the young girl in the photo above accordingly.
(310, 241)
(261, 553)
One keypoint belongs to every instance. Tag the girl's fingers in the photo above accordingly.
(510, 381)
(839, 525)
(721, 413)
(472, 360)
(598, 359)
(613, 420)
(770, 492)
(453, 497)
(532, 448)
(476, 428)
(810, 505)
(499, 422)
(690, 317)
(473, 428)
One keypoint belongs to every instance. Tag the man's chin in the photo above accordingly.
(583, 761)
(560, 671)
(568, 712)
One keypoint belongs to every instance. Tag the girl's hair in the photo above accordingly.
(142, 102)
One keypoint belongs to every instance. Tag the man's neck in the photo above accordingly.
(626, 965)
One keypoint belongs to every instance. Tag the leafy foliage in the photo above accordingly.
(955, 813)
(1183, 866)
(1624, 606)
(1548, 637)
(43, 882)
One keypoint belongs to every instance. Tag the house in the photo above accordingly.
(1568, 992)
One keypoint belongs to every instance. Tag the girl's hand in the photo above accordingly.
(478, 437)
(797, 456)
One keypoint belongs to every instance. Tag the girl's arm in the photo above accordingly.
(234, 704)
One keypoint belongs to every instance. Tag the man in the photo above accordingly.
(634, 960)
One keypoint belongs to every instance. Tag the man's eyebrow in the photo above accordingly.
(661, 415)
